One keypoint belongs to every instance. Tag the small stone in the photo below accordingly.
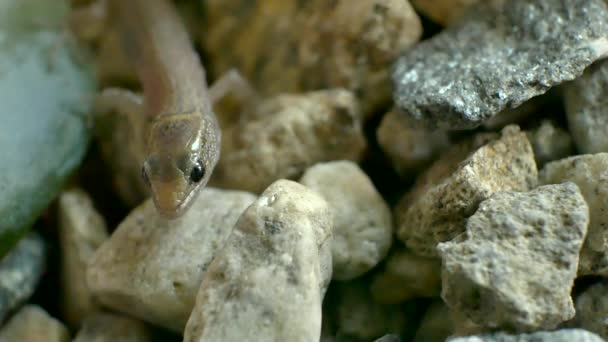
(107, 327)
(288, 134)
(151, 268)
(592, 309)
(515, 265)
(20, 272)
(550, 142)
(268, 281)
(436, 324)
(363, 226)
(33, 324)
(586, 102)
(590, 173)
(436, 211)
(406, 276)
(81, 231)
(564, 335)
(501, 54)
(409, 145)
(295, 46)
(443, 12)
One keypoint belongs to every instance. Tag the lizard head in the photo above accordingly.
(183, 150)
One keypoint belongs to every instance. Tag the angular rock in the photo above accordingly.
(550, 142)
(443, 12)
(295, 46)
(44, 92)
(33, 324)
(586, 101)
(435, 211)
(151, 268)
(436, 324)
(409, 145)
(363, 225)
(590, 173)
(107, 327)
(515, 265)
(592, 309)
(564, 335)
(268, 282)
(20, 272)
(287, 134)
(499, 55)
(81, 231)
(406, 276)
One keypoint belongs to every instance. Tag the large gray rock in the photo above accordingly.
(499, 55)
(268, 282)
(33, 324)
(564, 335)
(515, 265)
(592, 309)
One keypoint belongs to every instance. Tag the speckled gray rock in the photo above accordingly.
(151, 268)
(436, 324)
(550, 142)
(406, 276)
(408, 144)
(515, 265)
(499, 55)
(288, 133)
(363, 225)
(20, 272)
(438, 211)
(268, 282)
(32, 324)
(564, 335)
(107, 327)
(586, 109)
(81, 231)
(592, 309)
(590, 173)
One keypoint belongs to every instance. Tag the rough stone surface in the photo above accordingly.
(20, 272)
(436, 324)
(592, 309)
(268, 282)
(151, 268)
(564, 335)
(499, 55)
(107, 327)
(590, 173)
(363, 225)
(586, 104)
(33, 324)
(409, 145)
(406, 276)
(443, 12)
(550, 142)
(434, 213)
(295, 46)
(515, 265)
(288, 133)
(81, 231)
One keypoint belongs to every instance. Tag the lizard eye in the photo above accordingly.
(197, 173)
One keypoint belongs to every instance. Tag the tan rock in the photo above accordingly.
(107, 327)
(32, 324)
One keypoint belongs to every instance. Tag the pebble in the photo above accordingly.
(590, 173)
(108, 327)
(443, 12)
(81, 231)
(288, 134)
(563, 335)
(409, 145)
(501, 54)
(268, 282)
(550, 142)
(151, 268)
(592, 309)
(32, 324)
(363, 226)
(497, 272)
(295, 46)
(436, 324)
(20, 271)
(585, 102)
(435, 211)
(406, 276)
